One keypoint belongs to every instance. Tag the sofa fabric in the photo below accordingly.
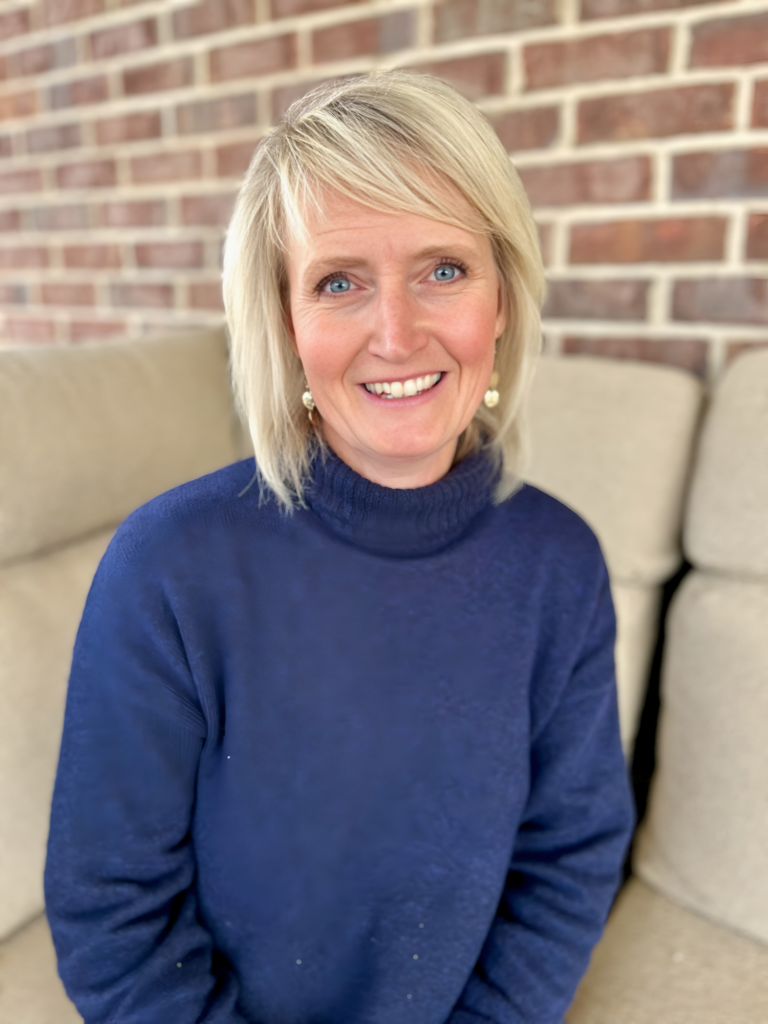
(41, 601)
(638, 424)
(727, 524)
(705, 841)
(88, 434)
(30, 989)
(660, 964)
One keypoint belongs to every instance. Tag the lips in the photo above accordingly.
(404, 388)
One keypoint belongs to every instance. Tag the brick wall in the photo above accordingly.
(640, 128)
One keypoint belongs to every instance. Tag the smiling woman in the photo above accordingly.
(344, 747)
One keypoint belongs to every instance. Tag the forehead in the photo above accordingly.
(340, 226)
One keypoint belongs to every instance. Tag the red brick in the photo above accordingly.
(39, 59)
(52, 137)
(734, 349)
(473, 77)
(679, 111)
(16, 329)
(19, 104)
(529, 128)
(214, 210)
(55, 12)
(6, 147)
(285, 95)
(21, 181)
(728, 42)
(617, 8)
(71, 94)
(14, 23)
(172, 74)
(88, 174)
(596, 300)
(69, 217)
(68, 294)
(144, 124)
(166, 167)
(144, 213)
(10, 220)
(757, 237)
(287, 8)
(685, 353)
(170, 254)
(388, 34)
(91, 256)
(216, 115)
(725, 172)
(736, 300)
(149, 296)
(233, 159)
(256, 57)
(13, 295)
(760, 105)
(22, 256)
(459, 19)
(126, 38)
(205, 295)
(94, 330)
(619, 55)
(625, 180)
(211, 16)
(668, 240)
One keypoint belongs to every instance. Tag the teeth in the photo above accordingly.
(406, 388)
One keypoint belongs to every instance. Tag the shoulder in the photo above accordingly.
(196, 514)
(549, 526)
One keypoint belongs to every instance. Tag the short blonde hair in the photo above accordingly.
(384, 140)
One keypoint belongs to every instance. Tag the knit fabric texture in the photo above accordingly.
(357, 764)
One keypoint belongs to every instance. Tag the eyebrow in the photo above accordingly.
(325, 265)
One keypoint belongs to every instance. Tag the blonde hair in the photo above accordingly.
(384, 140)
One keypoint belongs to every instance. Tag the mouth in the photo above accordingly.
(404, 388)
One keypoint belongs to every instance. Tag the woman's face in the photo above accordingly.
(394, 318)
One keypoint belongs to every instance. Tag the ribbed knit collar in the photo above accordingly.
(403, 523)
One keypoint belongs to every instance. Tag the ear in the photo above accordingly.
(289, 322)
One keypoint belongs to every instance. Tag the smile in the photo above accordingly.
(404, 388)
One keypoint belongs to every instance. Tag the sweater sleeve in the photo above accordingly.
(120, 873)
(567, 860)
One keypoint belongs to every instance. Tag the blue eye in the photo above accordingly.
(445, 272)
(339, 284)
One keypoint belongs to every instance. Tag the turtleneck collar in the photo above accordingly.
(402, 523)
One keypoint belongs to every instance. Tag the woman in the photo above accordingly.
(343, 747)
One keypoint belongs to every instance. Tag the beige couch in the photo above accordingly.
(87, 434)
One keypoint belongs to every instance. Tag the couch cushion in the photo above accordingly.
(705, 840)
(87, 434)
(637, 622)
(41, 601)
(727, 521)
(30, 989)
(613, 440)
(660, 964)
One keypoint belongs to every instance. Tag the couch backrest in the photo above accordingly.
(86, 435)
(705, 841)
(614, 441)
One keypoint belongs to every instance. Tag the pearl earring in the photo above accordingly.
(309, 402)
(492, 395)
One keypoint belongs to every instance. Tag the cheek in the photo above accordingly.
(473, 334)
(323, 349)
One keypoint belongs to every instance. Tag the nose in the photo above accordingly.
(398, 328)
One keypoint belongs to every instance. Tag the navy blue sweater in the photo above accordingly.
(355, 765)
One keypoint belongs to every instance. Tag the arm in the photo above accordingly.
(568, 855)
(119, 878)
